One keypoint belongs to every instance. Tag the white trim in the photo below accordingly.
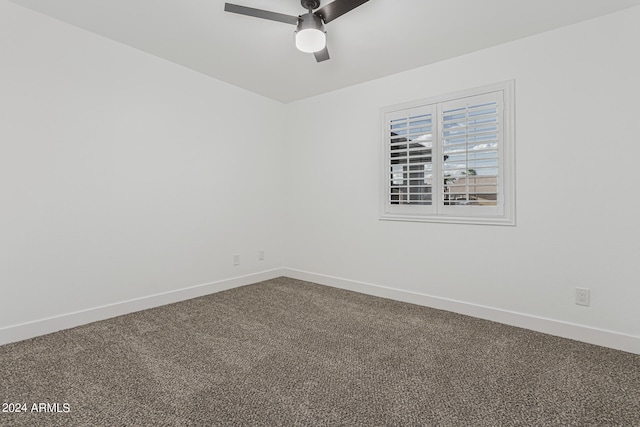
(573, 331)
(48, 325)
(601, 337)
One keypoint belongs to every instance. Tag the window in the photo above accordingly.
(451, 158)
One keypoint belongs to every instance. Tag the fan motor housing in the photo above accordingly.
(309, 20)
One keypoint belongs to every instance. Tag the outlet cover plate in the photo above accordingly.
(583, 296)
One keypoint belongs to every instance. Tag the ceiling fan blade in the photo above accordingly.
(337, 8)
(259, 13)
(321, 55)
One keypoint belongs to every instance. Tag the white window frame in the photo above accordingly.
(504, 211)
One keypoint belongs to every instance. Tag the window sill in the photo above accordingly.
(448, 219)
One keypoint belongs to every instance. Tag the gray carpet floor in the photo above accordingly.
(286, 352)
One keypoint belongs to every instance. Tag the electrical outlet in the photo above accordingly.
(260, 255)
(583, 296)
(236, 259)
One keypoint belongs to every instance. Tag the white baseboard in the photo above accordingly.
(628, 343)
(69, 320)
(576, 332)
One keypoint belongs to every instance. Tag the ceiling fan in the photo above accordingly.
(310, 33)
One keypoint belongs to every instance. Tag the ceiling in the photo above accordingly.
(379, 38)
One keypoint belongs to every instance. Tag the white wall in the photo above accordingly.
(123, 175)
(577, 149)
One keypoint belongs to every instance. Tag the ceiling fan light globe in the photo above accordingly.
(311, 40)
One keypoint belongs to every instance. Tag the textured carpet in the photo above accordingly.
(286, 352)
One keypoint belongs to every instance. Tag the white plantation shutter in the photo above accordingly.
(450, 158)
(471, 142)
(409, 136)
